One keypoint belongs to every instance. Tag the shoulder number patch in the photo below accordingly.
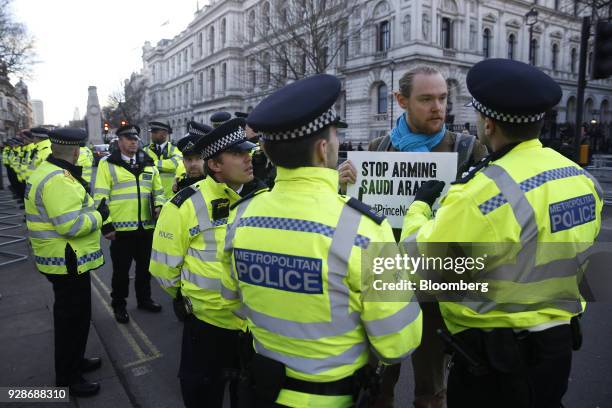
(365, 210)
(180, 197)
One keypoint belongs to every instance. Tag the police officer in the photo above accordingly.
(187, 248)
(86, 162)
(164, 154)
(130, 182)
(42, 147)
(64, 228)
(517, 335)
(296, 268)
(191, 169)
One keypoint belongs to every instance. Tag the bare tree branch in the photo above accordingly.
(16, 45)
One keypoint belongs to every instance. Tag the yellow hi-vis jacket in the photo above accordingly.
(42, 150)
(128, 193)
(24, 162)
(296, 274)
(166, 164)
(86, 162)
(188, 248)
(536, 214)
(61, 218)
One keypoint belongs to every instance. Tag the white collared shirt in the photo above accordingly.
(127, 159)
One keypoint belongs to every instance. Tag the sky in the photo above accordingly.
(92, 42)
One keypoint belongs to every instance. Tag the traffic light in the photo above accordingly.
(106, 127)
(602, 55)
(123, 122)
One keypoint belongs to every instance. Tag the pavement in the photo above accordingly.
(140, 359)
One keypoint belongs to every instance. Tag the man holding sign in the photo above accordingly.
(518, 341)
(420, 128)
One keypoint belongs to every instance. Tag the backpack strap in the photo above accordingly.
(384, 144)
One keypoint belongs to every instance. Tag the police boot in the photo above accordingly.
(150, 306)
(121, 314)
(83, 388)
(90, 364)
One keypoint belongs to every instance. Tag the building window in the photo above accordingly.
(201, 84)
(384, 36)
(252, 74)
(533, 51)
(555, 56)
(446, 34)
(201, 43)
(266, 69)
(511, 46)
(212, 82)
(573, 59)
(557, 4)
(589, 62)
(382, 98)
(486, 43)
(223, 32)
(251, 24)
(224, 76)
(266, 16)
(211, 40)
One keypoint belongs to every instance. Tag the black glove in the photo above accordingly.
(103, 209)
(179, 307)
(429, 191)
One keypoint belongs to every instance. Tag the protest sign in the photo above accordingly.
(388, 181)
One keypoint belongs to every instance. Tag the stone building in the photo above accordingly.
(208, 66)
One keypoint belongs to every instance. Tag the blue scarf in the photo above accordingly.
(404, 140)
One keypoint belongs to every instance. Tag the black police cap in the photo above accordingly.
(298, 110)
(511, 91)
(187, 143)
(67, 136)
(131, 131)
(218, 118)
(157, 125)
(197, 128)
(241, 114)
(228, 135)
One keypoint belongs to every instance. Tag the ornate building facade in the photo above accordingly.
(15, 107)
(208, 67)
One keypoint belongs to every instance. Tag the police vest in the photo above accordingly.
(536, 214)
(188, 249)
(130, 195)
(166, 163)
(59, 212)
(296, 275)
(41, 152)
(86, 162)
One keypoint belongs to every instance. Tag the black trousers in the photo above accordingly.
(131, 246)
(208, 354)
(71, 318)
(541, 382)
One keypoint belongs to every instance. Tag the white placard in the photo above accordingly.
(387, 181)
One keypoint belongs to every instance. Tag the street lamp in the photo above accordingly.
(531, 20)
(392, 68)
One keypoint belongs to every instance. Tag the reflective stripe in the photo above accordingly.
(292, 224)
(338, 293)
(394, 323)
(482, 307)
(172, 261)
(205, 255)
(89, 257)
(113, 173)
(168, 283)
(206, 227)
(124, 184)
(125, 224)
(200, 281)
(44, 234)
(119, 197)
(40, 206)
(229, 294)
(62, 261)
(76, 227)
(167, 174)
(313, 365)
(158, 193)
(99, 190)
(67, 217)
(160, 164)
(598, 188)
(94, 221)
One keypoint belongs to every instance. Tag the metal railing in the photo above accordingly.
(601, 169)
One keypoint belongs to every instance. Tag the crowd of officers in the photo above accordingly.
(266, 273)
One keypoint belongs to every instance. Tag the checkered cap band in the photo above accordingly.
(223, 143)
(506, 117)
(193, 131)
(130, 131)
(35, 134)
(64, 142)
(327, 118)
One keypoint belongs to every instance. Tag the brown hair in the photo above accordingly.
(405, 82)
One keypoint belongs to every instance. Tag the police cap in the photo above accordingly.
(241, 114)
(298, 110)
(198, 129)
(129, 131)
(218, 118)
(228, 136)
(157, 125)
(511, 91)
(67, 136)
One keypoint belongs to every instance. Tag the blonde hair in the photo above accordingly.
(406, 81)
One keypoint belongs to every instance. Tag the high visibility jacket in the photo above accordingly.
(41, 151)
(296, 272)
(5, 155)
(62, 221)
(86, 162)
(537, 214)
(129, 193)
(188, 248)
(166, 163)
(24, 162)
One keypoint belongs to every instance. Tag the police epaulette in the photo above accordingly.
(365, 210)
(473, 171)
(180, 197)
(248, 197)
